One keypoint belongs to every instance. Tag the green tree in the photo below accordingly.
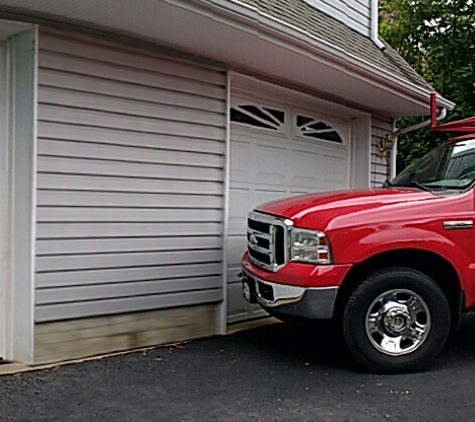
(437, 38)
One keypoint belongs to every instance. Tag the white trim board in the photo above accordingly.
(360, 152)
(252, 87)
(224, 304)
(3, 192)
(22, 56)
(9, 28)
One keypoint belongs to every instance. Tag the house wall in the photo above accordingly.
(130, 194)
(77, 338)
(354, 13)
(130, 197)
(130, 187)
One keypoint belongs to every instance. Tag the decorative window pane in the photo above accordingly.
(263, 117)
(240, 117)
(317, 126)
(302, 120)
(279, 115)
(327, 136)
(314, 128)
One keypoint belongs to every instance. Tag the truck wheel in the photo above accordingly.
(397, 320)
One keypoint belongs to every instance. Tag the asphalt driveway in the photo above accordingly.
(274, 373)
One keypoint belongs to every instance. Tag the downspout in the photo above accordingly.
(375, 25)
(417, 126)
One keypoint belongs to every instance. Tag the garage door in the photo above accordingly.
(276, 152)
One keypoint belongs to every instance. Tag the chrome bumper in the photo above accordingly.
(312, 303)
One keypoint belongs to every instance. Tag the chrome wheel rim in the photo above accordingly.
(398, 322)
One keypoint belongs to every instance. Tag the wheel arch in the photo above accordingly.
(433, 265)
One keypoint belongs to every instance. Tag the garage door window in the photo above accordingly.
(309, 127)
(258, 116)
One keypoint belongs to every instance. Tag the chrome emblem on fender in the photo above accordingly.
(458, 225)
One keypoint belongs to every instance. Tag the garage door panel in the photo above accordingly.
(335, 171)
(239, 162)
(234, 274)
(298, 192)
(262, 196)
(303, 181)
(237, 306)
(236, 247)
(304, 168)
(238, 209)
(238, 202)
(236, 226)
(270, 165)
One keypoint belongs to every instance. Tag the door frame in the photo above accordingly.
(4, 224)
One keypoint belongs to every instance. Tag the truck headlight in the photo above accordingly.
(310, 246)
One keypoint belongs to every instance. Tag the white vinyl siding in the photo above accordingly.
(130, 181)
(379, 165)
(354, 13)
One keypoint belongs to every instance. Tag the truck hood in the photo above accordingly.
(320, 209)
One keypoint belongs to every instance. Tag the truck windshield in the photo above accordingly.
(448, 166)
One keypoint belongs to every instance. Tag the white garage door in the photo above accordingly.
(276, 152)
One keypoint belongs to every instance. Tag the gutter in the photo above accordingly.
(254, 21)
(375, 25)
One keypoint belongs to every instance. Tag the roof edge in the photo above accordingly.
(256, 19)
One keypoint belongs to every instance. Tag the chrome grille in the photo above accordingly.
(267, 240)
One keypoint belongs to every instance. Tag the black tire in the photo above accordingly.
(381, 317)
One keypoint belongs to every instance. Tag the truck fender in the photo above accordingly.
(388, 240)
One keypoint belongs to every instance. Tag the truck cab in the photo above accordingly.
(393, 268)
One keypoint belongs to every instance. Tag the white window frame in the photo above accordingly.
(341, 127)
(237, 102)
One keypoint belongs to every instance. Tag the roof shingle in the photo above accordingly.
(318, 24)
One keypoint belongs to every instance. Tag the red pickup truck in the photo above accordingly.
(394, 266)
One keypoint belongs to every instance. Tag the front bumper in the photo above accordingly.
(299, 274)
(311, 303)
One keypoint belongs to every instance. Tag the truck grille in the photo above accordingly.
(267, 240)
